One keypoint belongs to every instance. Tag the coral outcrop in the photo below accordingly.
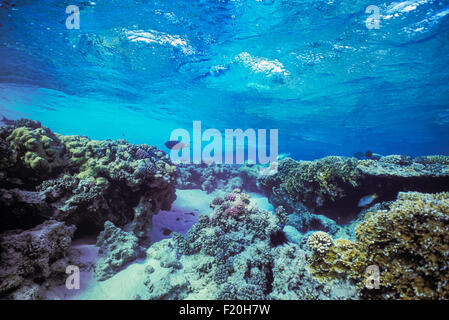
(29, 257)
(80, 181)
(38, 148)
(236, 252)
(408, 242)
(320, 242)
(334, 185)
(225, 177)
(50, 182)
(117, 248)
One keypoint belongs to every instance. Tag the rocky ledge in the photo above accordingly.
(76, 184)
(334, 185)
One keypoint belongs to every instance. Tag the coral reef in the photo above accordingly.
(39, 149)
(234, 256)
(80, 183)
(320, 242)
(402, 166)
(408, 242)
(29, 257)
(210, 177)
(117, 248)
(334, 185)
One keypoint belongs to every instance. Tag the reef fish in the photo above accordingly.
(282, 156)
(367, 200)
(367, 155)
(7, 121)
(175, 145)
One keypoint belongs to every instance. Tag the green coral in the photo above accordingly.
(38, 148)
(101, 161)
(321, 179)
(86, 182)
(409, 243)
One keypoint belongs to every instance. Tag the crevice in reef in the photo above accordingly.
(269, 278)
(387, 189)
(86, 228)
(122, 200)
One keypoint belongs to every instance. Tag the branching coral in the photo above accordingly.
(409, 243)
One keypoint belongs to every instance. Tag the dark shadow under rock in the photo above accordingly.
(333, 186)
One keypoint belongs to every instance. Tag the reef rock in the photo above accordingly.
(334, 185)
(81, 181)
(29, 257)
(117, 248)
(225, 177)
(238, 252)
(408, 243)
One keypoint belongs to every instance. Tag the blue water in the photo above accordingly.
(137, 69)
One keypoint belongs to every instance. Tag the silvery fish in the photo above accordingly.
(367, 200)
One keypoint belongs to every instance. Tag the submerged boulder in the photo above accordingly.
(80, 181)
(117, 248)
(408, 243)
(28, 258)
(334, 185)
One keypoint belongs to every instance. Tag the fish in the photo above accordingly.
(282, 156)
(176, 145)
(369, 155)
(359, 155)
(367, 200)
(372, 156)
(7, 121)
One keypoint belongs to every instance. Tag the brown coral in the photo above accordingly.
(409, 243)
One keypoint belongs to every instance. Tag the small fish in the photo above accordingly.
(282, 156)
(367, 200)
(166, 231)
(359, 155)
(7, 121)
(175, 145)
(369, 155)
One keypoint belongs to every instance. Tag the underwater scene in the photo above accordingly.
(224, 150)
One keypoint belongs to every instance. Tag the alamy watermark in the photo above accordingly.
(373, 21)
(73, 280)
(373, 279)
(255, 151)
(73, 20)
